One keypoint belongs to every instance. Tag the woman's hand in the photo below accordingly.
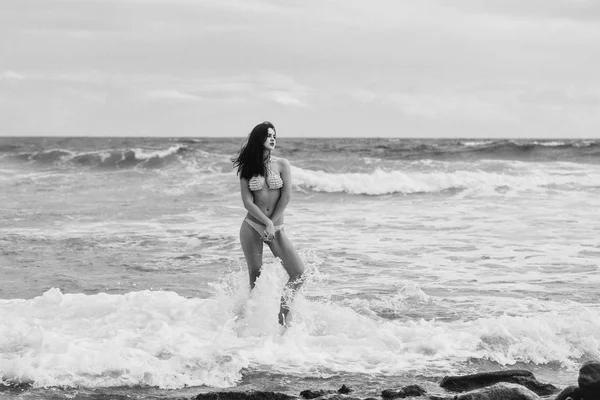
(269, 232)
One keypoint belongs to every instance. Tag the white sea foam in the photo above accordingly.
(146, 155)
(550, 144)
(381, 182)
(165, 340)
(477, 143)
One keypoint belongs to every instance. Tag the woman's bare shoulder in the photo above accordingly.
(283, 162)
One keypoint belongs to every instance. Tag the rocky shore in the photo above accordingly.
(499, 385)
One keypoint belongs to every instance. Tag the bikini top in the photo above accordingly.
(258, 182)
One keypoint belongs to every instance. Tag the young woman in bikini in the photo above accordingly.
(266, 188)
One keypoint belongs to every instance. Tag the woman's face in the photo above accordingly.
(271, 139)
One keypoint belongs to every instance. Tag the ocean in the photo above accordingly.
(122, 276)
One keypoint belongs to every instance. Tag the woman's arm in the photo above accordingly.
(286, 190)
(249, 205)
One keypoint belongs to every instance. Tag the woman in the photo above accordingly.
(266, 188)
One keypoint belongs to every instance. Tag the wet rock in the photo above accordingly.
(484, 379)
(589, 380)
(414, 390)
(344, 390)
(255, 395)
(313, 394)
(407, 391)
(499, 391)
(571, 392)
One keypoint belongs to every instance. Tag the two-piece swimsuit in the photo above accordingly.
(258, 182)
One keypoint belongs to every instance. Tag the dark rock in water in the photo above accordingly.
(407, 391)
(499, 391)
(477, 381)
(344, 390)
(571, 392)
(589, 380)
(258, 395)
(414, 390)
(313, 394)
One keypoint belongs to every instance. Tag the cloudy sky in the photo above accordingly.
(327, 68)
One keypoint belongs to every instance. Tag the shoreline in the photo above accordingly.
(513, 384)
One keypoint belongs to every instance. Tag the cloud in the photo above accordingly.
(284, 98)
(11, 76)
(553, 97)
(268, 85)
(507, 103)
(447, 105)
(271, 86)
(282, 89)
(173, 95)
(441, 104)
(576, 10)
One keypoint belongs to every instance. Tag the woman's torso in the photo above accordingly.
(266, 198)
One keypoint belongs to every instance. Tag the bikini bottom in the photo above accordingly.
(261, 228)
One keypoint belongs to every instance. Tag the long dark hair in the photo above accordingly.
(250, 160)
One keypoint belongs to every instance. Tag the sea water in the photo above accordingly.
(121, 272)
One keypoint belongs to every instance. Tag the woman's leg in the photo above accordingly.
(252, 245)
(282, 247)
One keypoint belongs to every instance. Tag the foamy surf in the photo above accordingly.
(160, 339)
(381, 182)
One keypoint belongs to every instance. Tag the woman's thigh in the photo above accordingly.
(283, 248)
(252, 245)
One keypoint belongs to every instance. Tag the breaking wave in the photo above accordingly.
(380, 182)
(160, 339)
(110, 159)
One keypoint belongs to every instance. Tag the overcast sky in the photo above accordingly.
(327, 68)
